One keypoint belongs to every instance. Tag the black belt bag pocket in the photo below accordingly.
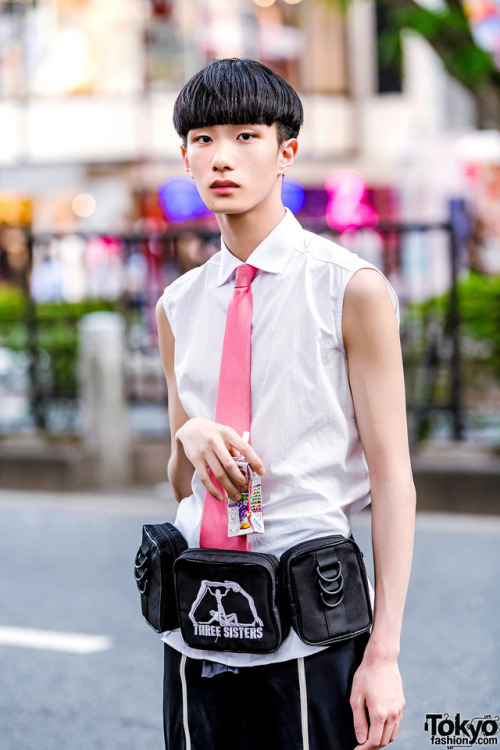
(228, 600)
(327, 590)
(161, 544)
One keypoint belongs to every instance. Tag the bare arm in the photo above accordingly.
(376, 377)
(197, 443)
(180, 469)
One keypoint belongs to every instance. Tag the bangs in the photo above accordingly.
(238, 92)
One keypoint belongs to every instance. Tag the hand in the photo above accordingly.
(377, 689)
(209, 445)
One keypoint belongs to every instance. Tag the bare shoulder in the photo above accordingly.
(162, 319)
(366, 286)
(368, 311)
(160, 309)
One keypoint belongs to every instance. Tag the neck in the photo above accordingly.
(242, 233)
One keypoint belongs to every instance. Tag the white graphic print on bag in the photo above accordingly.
(225, 609)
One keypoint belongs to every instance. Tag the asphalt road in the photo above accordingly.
(66, 565)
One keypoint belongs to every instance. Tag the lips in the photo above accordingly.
(223, 184)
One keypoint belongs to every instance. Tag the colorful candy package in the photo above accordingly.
(245, 515)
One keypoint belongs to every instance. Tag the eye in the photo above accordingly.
(246, 136)
(202, 139)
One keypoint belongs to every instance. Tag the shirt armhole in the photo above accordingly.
(340, 304)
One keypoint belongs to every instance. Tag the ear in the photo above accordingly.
(288, 151)
(186, 161)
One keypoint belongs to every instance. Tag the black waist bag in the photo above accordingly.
(228, 600)
(326, 589)
(161, 544)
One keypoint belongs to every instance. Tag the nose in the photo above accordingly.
(223, 158)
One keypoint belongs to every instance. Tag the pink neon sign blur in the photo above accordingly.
(346, 208)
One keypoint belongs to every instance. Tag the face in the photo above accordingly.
(237, 167)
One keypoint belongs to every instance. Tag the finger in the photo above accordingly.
(231, 469)
(374, 735)
(387, 732)
(246, 450)
(217, 455)
(221, 475)
(207, 482)
(359, 720)
(396, 728)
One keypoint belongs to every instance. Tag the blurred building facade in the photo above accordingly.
(90, 162)
(87, 89)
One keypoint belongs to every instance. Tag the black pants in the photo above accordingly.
(301, 704)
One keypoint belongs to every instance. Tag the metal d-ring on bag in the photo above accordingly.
(326, 590)
(232, 600)
(333, 596)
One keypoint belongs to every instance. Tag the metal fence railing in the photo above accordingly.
(65, 276)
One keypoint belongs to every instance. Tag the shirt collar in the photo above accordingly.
(271, 255)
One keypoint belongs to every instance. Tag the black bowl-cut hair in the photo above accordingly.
(238, 91)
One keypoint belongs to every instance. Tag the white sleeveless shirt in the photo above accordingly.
(302, 425)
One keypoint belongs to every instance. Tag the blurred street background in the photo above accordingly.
(399, 160)
(66, 566)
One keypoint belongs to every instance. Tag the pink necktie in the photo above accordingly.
(233, 402)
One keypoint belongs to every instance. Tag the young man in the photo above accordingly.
(328, 428)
